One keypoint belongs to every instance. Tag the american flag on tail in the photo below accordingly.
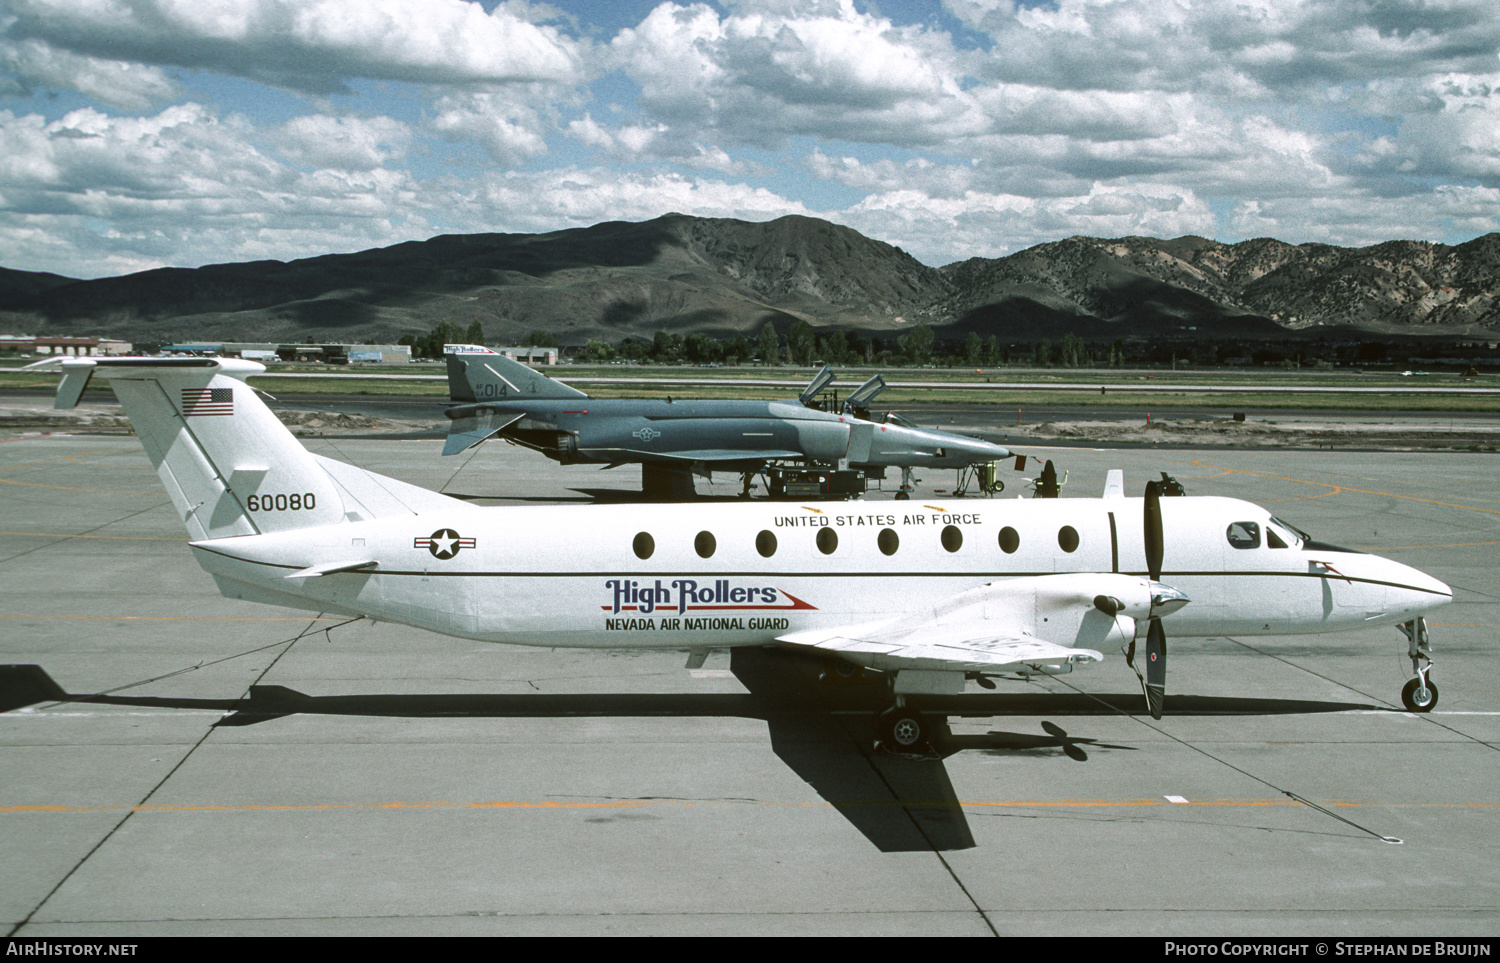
(207, 401)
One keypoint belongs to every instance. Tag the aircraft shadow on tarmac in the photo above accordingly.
(822, 730)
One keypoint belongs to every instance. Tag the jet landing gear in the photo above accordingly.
(1419, 694)
(904, 492)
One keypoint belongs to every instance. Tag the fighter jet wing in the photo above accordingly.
(465, 433)
(704, 454)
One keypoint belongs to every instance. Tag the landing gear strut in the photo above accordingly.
(904, 492)
(1419, 694)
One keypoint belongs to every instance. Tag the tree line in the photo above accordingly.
(801, 344)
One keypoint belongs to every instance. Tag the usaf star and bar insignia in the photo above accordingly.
(444, 543)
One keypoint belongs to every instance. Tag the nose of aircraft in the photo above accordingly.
(1414, 590)
(959, 451)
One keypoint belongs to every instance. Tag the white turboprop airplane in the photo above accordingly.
(930, 595)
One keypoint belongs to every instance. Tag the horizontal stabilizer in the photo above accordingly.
(465, 433)
(330, 568)
(378, 496)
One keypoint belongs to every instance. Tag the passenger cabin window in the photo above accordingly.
(1010, 540)
(888, 541)
(644, 546)
(1243, 534)
(705, 545)
(765, 544)
(828, 541)
(1067, 538)
(953, 539)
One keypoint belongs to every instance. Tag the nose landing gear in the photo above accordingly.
(1419, 694)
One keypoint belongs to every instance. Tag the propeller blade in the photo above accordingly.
(1154, 538)
(1156, 668)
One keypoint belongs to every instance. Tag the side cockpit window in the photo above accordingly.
(1273, 540)
(1243, 534)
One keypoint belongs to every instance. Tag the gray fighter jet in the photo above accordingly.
(802, 449)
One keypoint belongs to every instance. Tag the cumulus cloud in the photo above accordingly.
(768, 72)
(313, 45)
(1358, 219)
(550, 200)
(1291, 48)
(32, 64)
(940, 230)
(1302, 119)
(89, 195)
(343, 143)
(509, 129)
(183, 186)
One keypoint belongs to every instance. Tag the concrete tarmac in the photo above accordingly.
(177, 763)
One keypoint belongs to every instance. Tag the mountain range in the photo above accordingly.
(722, 277)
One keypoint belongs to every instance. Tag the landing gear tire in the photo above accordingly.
(1418, 699)
(902, 496)
(902, 730)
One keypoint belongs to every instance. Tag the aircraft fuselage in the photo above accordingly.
(590, 430)
(744, 574)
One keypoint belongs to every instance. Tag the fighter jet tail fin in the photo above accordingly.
(494, 377)
(228, 463)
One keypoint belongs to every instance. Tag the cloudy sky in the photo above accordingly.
(141, 133)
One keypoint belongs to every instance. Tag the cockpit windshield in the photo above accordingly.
(1300, 535)
(891, 418)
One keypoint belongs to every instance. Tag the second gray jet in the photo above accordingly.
(794, 443)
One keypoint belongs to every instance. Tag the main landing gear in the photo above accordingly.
(899, 729)
(1419, 694)
(906, 731)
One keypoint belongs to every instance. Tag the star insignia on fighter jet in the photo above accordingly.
(646, 434)
(444, 543)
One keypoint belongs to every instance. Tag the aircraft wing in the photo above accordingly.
(701, 454)
(974, 647)
(1015, 622)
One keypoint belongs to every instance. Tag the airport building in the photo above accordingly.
(314, 353)
(530, 355)
(73, 347)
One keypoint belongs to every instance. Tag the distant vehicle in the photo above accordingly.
(802, 449)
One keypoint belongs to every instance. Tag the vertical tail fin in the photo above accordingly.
(494, 377)
(230, 467)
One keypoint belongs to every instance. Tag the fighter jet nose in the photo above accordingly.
(1165, 599)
